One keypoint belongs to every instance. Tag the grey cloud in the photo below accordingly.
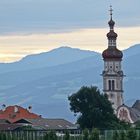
(47, 15)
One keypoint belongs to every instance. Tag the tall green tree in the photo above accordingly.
(122, 136)
(94, 108)
(85, 134)
(67, 135)
(95, 134)
(137, 125)
(46, 137)
(131, 134)
(52, 135)
(115, 135)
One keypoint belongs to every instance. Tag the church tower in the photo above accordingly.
(112, 73)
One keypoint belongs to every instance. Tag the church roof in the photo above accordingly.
(136, 105)
(112, 53)
(135, 114)
(134, 111)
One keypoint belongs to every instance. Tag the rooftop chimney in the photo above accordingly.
(3, 107)
(30, 109)
(15, 109)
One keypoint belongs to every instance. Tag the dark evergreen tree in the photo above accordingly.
(86, 134)
(46, 137)
(131, 134)
(94, 134)
(122, 135)
(52, 135)
(137, 125)
(138, 136)
(94, 108)
(2, 136)
(67, 136)
(115, 135)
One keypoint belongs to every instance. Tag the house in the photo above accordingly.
(6, 125)
(48, 124)
(16, 117)
(14, 113)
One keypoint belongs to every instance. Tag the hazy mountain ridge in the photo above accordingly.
(62, 55)
(49, 86)
(33, 74)
(131, 51)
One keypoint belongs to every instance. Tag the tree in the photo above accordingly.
(67, 136)
(131, 134)
(94, 134)
(94, 108)
(115, 135)
(138, 136)
(122, 135)
(85, 134)
(2, 136)
(46, 136)
(52, 135)
(137, 125)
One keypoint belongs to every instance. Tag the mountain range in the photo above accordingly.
(45, 80)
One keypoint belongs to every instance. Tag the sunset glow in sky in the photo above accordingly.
(29, 27)
(14, 47)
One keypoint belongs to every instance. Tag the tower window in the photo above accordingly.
(111, 85)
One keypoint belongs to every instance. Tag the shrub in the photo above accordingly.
(131, 134)
(67, 136)
(85, 134)
(94, 134)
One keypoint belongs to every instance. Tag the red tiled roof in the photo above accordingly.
(14, 113)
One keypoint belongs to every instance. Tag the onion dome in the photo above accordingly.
(112, 53)
(111, 35)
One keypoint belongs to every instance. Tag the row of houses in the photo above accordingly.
(17, 118)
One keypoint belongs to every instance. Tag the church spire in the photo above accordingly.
(111, 34)
(111, 22)
(112, 52)
(112, 73)
(111, 11)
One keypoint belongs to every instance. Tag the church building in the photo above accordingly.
(113, 78)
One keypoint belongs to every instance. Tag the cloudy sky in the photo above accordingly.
(34, 26)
